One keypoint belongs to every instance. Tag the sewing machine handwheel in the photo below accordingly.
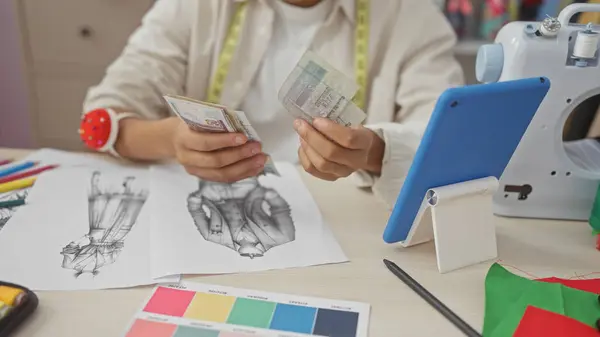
(489, 63)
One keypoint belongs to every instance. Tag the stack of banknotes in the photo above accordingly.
(206, 117)
(313, 89)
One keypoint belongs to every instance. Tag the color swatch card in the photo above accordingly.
(200, 310)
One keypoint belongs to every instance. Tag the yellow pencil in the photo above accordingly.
(17, 184)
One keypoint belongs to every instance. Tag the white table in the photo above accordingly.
(562, 249)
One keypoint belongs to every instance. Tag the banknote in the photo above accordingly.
(206, 117)
(199, 117)
(314, 88)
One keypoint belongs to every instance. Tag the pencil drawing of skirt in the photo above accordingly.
(7, 213)
(111, 218)
(243, 216)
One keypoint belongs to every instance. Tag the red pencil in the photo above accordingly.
(4, 162)
(26, 174)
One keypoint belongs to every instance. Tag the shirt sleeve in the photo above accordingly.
(426, 67)
(153, 63)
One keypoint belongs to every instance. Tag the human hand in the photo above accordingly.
(220, 157)
(331, 151)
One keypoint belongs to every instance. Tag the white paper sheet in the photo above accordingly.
(47, 156)
(7, 213)
(64, 159)
(329, 317)
(179, 247)
(44, 245)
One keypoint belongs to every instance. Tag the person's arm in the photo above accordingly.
(153, 63)
(425, 65)
(142, 139)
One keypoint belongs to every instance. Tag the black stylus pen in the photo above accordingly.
(432, 300)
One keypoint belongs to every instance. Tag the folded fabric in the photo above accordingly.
(507, 296)
(591, 285)
(542, 323)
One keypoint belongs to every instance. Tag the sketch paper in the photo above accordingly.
(7, 213)
(86, 228)
(70, 159)
(46, 157)
(270, 222)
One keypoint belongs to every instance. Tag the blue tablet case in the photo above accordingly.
(472, 133)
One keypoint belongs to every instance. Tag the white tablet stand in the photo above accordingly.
(460, 220)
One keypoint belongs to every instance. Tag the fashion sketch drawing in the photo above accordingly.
(7, 213)
(244, 216)
(112, 215)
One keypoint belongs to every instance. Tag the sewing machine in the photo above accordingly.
(542, 180)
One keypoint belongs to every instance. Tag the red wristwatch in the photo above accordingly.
(99, 129)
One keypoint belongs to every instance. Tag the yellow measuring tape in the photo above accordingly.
(361, 50)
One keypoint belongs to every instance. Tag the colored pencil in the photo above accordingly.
(26, 174)
(17, 184)
(16, 168)
(5, 161)
(12, 203)
(432, 300)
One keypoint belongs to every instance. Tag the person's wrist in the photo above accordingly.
(169, 129)
(146, 139)
(375, 155)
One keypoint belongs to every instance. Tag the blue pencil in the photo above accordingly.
(16, 168)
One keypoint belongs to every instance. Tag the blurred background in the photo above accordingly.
(52, 51)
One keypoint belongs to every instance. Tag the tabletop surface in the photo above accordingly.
(539, 248)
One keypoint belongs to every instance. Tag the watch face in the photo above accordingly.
(95, 128)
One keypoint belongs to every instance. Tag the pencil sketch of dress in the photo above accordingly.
(244, 216)
(112, 215)
(7, 213)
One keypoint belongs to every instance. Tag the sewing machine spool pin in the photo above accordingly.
(586, 45)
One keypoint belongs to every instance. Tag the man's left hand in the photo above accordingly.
(331, 151)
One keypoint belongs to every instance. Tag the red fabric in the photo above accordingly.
(95, 128)
(591, 285)
(598, 242)
(537, 322)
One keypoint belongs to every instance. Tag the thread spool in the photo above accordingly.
(549, 27)
(586, 44)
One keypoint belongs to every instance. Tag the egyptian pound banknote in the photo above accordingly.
(314, 88)
(206, 117)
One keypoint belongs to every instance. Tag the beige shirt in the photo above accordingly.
(411, 62)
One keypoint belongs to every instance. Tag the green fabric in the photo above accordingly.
(594, 220)
(507, 296)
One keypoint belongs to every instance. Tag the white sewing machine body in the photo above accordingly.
(541, 181)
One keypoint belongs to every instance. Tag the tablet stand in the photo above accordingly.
(459, 218)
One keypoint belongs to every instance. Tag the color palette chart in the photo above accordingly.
(201, 310)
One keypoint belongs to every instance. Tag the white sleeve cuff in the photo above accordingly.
(401, 143)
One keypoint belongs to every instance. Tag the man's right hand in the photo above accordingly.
(221, 157)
